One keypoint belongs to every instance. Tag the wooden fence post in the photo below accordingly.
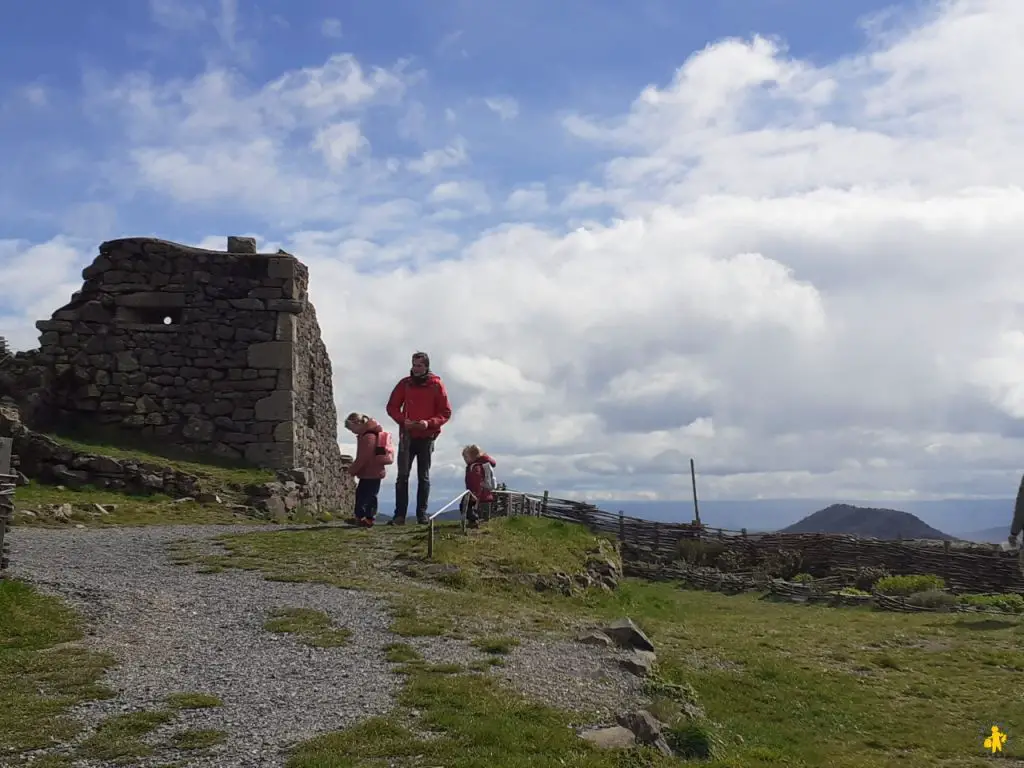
(430, 540)
(622, 526)
(657, 538)
(7, 483)
(544, 505)
(693, 479)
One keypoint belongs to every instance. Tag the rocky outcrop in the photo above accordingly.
(601, 570)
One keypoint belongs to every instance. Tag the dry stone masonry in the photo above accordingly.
(207, 352)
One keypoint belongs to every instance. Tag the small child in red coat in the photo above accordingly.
(374, 451)
(479, 482)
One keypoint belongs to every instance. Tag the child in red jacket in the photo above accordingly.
(479, 482)
(374, 451)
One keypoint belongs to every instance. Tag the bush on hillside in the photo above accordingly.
(904, 586)
(1010, 603)
(868, 575)
(933, 598)
(802, 578)
(780, 563)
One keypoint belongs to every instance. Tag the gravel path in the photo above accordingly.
(174, 630)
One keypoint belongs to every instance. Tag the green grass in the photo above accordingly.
(473, 722)
(193, 700)
(795, 685)
(498, 645)
(197, 739)
(311, 627)
(401, 653)
(120, 737)
(121, 509)
(40, 678)
(217, 473)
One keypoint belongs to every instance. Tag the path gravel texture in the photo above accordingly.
(175, 630)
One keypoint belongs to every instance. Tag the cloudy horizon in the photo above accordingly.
(781, 242)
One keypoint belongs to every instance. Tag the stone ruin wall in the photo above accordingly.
(213, 353)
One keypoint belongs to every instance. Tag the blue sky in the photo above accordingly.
(549, 57)
(778, 236)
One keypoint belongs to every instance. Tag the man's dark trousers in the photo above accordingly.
(421, 449)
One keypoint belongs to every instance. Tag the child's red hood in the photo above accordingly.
(484, 457)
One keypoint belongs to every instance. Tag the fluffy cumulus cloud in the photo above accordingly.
(805, 275)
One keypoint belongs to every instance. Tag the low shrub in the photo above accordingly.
(853, 592)
(802, 578)
(867, 576)
(933, 598)
(1010, 603)
(904, 586)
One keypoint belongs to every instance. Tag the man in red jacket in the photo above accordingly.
(419, 405)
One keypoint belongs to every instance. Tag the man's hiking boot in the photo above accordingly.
(396, 520)
(421, 519)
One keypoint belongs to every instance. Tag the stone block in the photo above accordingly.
(277, 406)
(281, 267)
(271, 455)
(238, 244)
(287, 328)
(150, 300)
(285, 432)
(278, 355)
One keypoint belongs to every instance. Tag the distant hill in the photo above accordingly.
(868, 522)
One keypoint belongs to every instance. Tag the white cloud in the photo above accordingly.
(527, 200)
(331, 28)
(504, 107)
(339, 143)
(451, 156)
(803, 275)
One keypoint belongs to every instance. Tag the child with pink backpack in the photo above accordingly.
(374, 451)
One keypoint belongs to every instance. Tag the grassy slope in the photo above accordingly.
(790, 685)
(39, 678)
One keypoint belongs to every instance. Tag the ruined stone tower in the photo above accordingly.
(215, 353)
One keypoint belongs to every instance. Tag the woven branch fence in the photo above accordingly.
(7, 484)
(973, 568)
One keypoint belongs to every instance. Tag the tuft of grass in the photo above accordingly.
(41, 678)
(119, 737)
(197, 739)
(401, 653)
(409, 621)
(312, 627)
(193, 700)
(496, 645)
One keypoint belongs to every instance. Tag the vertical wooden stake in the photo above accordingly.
(622, 526)
(693, 480)
(544, 505)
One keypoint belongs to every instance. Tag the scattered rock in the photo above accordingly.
(646, 728)
(640, 663)
(614, 737)
(595, 638)
(625, 634)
